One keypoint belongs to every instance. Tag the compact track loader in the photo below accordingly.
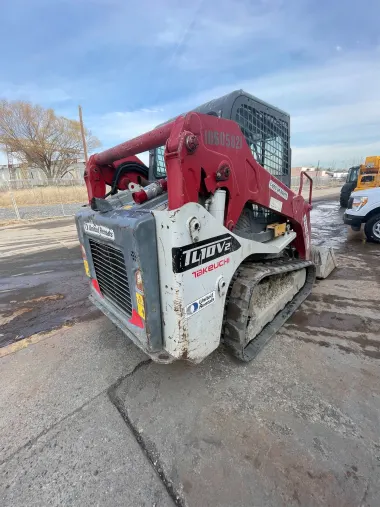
(208, 243)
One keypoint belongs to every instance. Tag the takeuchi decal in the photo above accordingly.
(210, 267)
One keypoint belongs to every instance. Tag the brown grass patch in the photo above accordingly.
(39, 196)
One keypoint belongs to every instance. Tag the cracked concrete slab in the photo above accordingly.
(298, 426)
(49, 380)
(91, 458)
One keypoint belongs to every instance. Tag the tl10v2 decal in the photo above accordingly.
(190, 256)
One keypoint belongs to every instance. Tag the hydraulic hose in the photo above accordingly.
(125, 168)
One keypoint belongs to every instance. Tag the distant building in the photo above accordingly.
(296, 171)
(337, 174)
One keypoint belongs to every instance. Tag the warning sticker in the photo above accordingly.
(279, 190)
(86, 268)
(275, 204)
(198, 305)
(140, 305)
(307, 236)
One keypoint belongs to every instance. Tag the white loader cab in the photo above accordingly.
(364, 208)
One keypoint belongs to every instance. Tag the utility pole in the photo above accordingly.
(10, 163)
(82, 132)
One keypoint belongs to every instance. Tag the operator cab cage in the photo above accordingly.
(353, 173)
(265, 128)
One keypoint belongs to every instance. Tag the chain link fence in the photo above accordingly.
(34, 199)
(318, 181)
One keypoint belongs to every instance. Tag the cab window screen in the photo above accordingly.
(267, 138)
(159, 162)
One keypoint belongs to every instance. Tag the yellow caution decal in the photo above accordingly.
(86, 268)
(140, 305)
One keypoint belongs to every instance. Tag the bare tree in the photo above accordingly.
(39, 138)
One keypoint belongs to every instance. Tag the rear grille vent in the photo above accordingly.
(111, 274)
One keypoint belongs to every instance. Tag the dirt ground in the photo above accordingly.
(86, 418)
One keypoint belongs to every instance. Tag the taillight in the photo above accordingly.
(96, 286)
(136, 320)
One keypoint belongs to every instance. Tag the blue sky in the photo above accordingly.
(132, 64)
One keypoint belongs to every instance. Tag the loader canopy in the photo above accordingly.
(265, 128)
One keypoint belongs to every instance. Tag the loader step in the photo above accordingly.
(261, 298)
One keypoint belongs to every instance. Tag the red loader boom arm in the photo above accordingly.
(204, 153)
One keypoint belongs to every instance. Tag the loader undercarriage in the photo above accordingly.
(262, 297)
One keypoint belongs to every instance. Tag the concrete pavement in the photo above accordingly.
(89, 458)
(62, 441)
(298, 425)
(57, 376)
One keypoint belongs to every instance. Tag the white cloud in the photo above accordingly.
(238, 32)
(117, 127)
(120, 126)
(334, 110)
(193, 35)
(33, 93)
(334, 155)
(333, 99)
(355, 120)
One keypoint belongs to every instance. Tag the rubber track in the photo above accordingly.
(237, 308)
